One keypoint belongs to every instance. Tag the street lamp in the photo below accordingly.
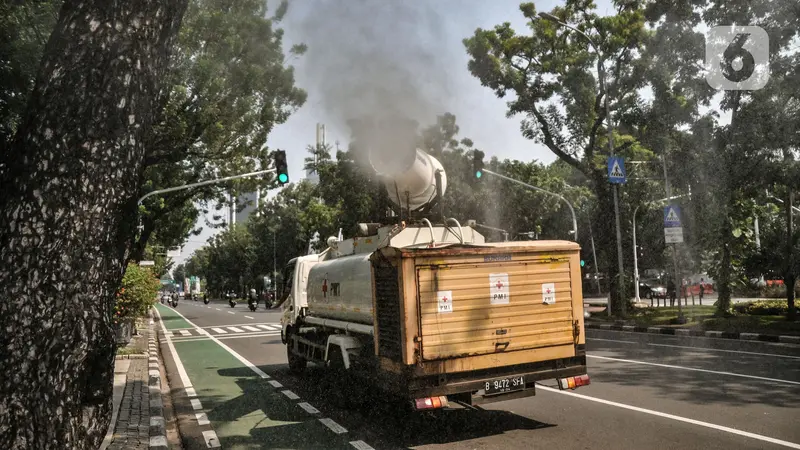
(536, 188)
(601, 75)
(635, 255)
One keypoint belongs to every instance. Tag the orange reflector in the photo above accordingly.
(431, 402)
(571, 382)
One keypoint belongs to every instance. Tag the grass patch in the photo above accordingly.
(702, 318)
(128, 350)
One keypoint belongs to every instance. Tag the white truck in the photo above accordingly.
(433, 314)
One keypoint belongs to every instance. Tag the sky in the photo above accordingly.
(398, 56)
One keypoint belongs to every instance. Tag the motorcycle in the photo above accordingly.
(252, 304)
(231, 300)
(205, 299)
(175, 301)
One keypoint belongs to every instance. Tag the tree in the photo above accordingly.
(228, 86)
(179, 274)
(68, 186)
(550, 73)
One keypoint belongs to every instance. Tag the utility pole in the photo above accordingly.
(790, 278)
(678, 284)
(274, 270)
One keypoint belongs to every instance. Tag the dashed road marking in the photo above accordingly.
(269, 327)
(308, 408)
(236, 330)
(335, 427)
(248, 317)
(190, 392)
(361, 445)
(196, 405)
(219, 331)
(249, 328)
(275, 383)
(217, 309)
(231, 312)
(291, 395)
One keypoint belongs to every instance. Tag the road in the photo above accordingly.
(647, 392)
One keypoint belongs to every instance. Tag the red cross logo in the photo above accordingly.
(325, 287)
(548, 290)
(444, 299)
(499, 284)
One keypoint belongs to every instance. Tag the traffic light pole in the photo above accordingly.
(203, 183)
(535, 188)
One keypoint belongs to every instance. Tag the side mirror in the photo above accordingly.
(291, 308)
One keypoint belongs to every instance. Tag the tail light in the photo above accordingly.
(431, 402)
(573, 382)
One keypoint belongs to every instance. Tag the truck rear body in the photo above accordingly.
(450, 320)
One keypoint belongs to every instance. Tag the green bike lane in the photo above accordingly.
(246, 410)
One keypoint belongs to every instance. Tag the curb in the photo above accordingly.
(132, 356)
(685, 332)
(158, 430)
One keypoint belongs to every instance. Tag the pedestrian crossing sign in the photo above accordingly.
(616, 170)
(672, 218)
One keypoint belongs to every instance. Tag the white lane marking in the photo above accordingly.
(291, 395)
(181, 370)
(669, 366)
(235, 330)
(674, 417)
(727, 351)
(219, 331)
(270, 327)
(249, 328)
(208, 307)
(275, 383)
(212, 441)
(611, 340)
(308, 408)
(190, 392)
(248, 317)
(196, 405)
(233, 336)
(361, 445)
(217, 309)
(202, 418)
(335, 427)
(185, 333)
(241, 358)
(231, 312)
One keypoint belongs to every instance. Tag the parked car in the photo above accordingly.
(652, 289)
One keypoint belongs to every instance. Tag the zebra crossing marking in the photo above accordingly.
(235, 330)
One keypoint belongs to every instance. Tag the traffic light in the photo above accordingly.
(477, 164)
(281, 169)
(583, 263)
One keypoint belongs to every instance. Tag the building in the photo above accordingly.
(246, 206)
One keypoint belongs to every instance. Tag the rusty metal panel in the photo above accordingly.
(477, 306)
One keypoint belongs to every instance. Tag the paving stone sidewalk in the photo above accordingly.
(140, 423)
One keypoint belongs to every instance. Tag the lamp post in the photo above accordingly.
(536, 188)
(601, 75)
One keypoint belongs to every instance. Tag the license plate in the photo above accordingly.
(503, 385)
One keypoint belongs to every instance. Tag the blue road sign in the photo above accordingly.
(616, 170)
(672, 216)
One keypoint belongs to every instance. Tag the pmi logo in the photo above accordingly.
(737, 58)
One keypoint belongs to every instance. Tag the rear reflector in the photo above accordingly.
(573, 382)
(431, 402)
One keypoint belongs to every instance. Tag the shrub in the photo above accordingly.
(137, 293)
(763, 308)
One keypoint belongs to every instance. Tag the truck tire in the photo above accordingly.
(296, 363)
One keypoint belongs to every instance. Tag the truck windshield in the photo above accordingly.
(288, 278)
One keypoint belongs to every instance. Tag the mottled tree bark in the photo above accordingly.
(67, 214)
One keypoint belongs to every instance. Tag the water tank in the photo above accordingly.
(341, 289)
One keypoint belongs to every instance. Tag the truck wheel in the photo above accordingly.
(296, 363)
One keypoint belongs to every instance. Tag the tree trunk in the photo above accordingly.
(606, 238)
(67, 214)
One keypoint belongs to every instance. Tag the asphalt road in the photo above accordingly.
(647, 392)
